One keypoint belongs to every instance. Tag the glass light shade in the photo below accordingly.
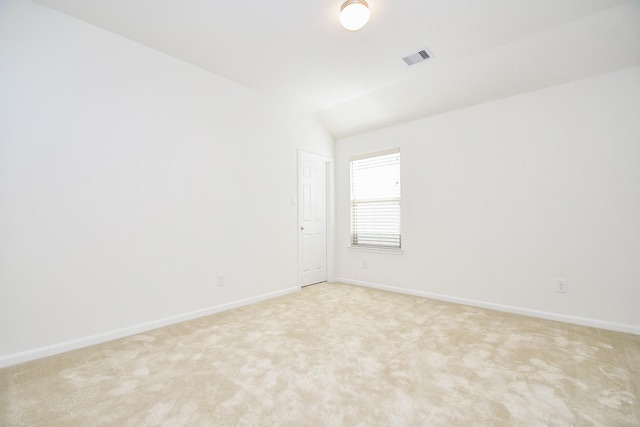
(354, 14)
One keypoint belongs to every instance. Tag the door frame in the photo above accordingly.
(328, 161)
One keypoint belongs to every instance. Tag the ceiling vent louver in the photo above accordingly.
(423, 55)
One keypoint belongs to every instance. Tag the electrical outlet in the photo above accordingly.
(561, 286)
(365, 264)
(220, 279)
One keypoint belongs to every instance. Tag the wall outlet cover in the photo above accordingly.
(561, 286)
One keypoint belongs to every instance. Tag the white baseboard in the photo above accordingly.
(619, 327)
(37, 353)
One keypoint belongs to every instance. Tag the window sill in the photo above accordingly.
(376, 250)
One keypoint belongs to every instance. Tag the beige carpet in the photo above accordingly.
(338, 355)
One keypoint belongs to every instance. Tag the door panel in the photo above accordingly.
(312, 219)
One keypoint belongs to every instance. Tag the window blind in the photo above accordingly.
(375, 201)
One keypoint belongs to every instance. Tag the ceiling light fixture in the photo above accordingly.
(354, 14)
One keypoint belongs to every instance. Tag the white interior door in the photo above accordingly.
(312, 219)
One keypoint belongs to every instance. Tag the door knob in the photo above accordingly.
(301, 228)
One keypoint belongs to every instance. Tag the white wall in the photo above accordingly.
(128, 181)
(501, 199)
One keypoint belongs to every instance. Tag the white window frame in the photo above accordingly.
(374, 246)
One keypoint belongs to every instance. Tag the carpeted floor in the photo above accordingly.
(338, 355)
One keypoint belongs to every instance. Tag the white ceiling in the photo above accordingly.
(357, 81)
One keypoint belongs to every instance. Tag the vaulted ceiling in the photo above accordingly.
(357, 81)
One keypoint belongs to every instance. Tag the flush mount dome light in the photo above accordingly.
(354, 14)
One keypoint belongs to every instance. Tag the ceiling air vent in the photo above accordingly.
(423, 55)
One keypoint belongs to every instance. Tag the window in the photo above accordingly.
(375, 200)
